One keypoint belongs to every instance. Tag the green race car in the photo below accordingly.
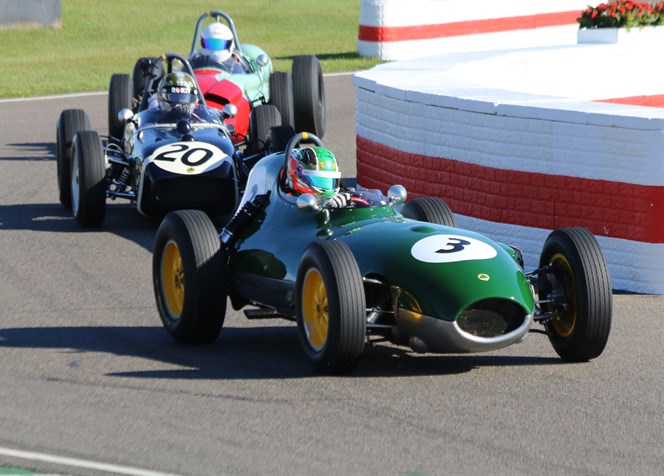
(375, 270)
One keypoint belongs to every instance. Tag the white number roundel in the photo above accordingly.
(188, 158)
(450, 249)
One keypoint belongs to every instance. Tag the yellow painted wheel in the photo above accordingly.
(315, 312)
(172, 279)
(565, 323)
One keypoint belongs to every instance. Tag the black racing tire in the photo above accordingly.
(431, 210)
(578, 270)
(70, 122)
(261, 120)
(119, 97)
(281, 95)
(279, 138)
(189, 277)
(88, 179)
(309, 95)
(139, 79)
(331, 307)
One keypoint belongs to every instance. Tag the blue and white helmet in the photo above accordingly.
(217, 40)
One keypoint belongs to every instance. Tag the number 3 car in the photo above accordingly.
(165, 158)
(360, 274)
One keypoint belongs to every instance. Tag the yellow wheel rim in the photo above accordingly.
(172, 279)
(566, 321)
(314, 309)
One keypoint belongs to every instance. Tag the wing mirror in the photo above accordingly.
(125, 115)
(262, 60)
(229, 111)
(307, 203)
(396, 195)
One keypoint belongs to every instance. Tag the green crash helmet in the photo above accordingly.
(313, 170)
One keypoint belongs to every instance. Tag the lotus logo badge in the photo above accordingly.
(483, 277)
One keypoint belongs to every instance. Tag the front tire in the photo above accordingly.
(119, 97)
(309, 95)
(430, 210)
(139, 78)
(331, 307)
(70, 122)
(189, 278)
(578, 270)
(88, 179)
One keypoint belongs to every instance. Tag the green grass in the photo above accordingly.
(101, 37)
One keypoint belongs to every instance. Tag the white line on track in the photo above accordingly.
(79, 463)
(102, 93)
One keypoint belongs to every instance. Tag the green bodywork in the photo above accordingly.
(255, 86)
(381, 240)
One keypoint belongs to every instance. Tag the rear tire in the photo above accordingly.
(281, 95)
(139, 79)
(579, 271)
(119, 97)
(431, 210)
(309, 95)
(331, 307)
(189, 277)
(70, 122)
(88, 179)
(261, 120)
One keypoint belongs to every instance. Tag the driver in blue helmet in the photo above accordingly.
(218, 50)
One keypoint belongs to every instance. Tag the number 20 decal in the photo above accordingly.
(188, 158)
(450, 249)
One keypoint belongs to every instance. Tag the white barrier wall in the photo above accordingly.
(516, 164)
(399, 29)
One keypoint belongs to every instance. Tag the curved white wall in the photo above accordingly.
(515, 145)
(399, 29)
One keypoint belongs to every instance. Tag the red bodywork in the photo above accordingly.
(219, 93)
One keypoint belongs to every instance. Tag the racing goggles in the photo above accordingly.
(326, 183)
(180, 97)
(217, 44)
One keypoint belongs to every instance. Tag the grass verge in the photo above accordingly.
(102, 37)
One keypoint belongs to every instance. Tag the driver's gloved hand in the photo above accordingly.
(340, 200)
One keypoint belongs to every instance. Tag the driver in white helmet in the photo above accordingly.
(218, 50)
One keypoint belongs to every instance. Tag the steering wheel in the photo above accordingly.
(295, 141)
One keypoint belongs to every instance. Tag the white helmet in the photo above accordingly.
(218, 40)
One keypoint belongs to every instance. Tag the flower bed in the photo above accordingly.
(625, 14)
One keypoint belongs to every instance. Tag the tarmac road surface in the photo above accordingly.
(87, 372)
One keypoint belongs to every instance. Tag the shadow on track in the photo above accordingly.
(243, 353)
(38, 152)
(122, 219)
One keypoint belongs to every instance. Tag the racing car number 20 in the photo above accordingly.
(188, 158)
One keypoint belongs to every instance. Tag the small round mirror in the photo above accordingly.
(229, 111)
(397, 194)
(262, 60)
(307, 202)
(125, 115)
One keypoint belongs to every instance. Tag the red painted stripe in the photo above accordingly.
(472, 27)
(613, 209)
(648, 101)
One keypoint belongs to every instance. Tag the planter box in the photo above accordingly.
(654, 34)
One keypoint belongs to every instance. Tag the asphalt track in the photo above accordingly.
(91, 384)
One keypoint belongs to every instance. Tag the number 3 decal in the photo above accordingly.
(451, 248)
(188, 158)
